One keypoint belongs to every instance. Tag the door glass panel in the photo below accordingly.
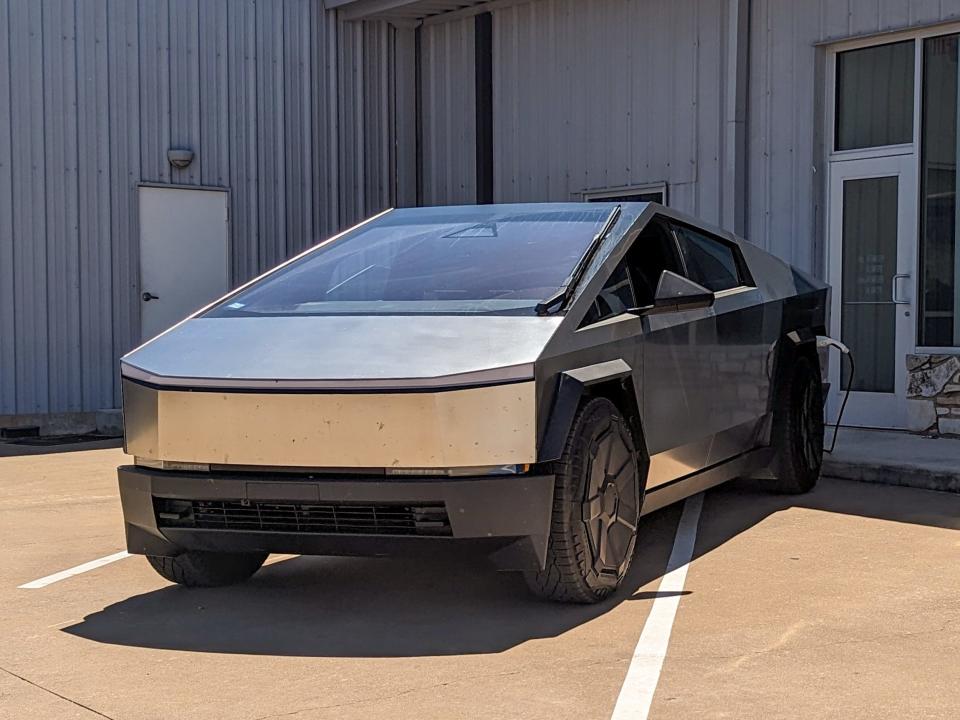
(614, 299)
(867, 315)
(939, 305)
(652, 252)
(709, 262)
(875, 96)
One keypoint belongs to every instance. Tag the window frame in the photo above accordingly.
(830, 109)
(593, 302)
(667, 224)
(833, 49)
(834, 116)
(918, 306)
(617, 194)
(744, 276)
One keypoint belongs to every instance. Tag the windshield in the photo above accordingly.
(498, 259)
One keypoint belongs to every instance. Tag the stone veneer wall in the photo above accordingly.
(933, 389)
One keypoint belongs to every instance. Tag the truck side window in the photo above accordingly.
(709, 261)
(615, 298)
(652, 252)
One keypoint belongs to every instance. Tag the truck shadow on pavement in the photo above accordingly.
(359, 607)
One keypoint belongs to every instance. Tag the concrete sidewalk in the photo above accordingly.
(894, 458)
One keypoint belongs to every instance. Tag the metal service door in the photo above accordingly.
(873, 226)
(183, 254)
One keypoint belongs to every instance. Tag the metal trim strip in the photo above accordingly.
(496, 376)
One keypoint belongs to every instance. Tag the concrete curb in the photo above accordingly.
(896, 458)
(893, 475)
(110, 423)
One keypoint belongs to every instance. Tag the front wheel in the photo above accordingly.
(798, 429)
(207, 569)
(596, 509)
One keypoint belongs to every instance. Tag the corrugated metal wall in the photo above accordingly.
(449, 113)
(299, 115)
(785, 160)
(587, 95)
(608, 93)
(367, 110)
(605, 93)
(840, 19)
(289, 109)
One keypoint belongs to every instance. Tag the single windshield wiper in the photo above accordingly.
(562, 296)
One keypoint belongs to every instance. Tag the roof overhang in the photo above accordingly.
(397, 10)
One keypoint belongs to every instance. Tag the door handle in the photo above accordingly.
(894, 295)
(147, 297)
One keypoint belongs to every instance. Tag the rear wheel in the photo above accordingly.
(207, 569)
(596, 508)
(798, 429)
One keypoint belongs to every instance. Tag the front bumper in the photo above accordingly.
(506, 517)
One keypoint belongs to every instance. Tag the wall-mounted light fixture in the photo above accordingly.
(180, 157)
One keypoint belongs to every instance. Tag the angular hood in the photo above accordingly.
(375, 352)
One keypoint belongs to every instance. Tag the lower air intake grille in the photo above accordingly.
(303, 517)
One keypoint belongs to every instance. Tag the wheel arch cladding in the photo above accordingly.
(791, 346)
(575, 387)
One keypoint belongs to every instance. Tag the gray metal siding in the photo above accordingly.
(449, 113)
(94, 94)
(605, 93)
(8, 337)
(121, 155)
(27, 171)
(609, 93)
(838, 19)
(308, 121)
(366, 86)
(94, 190)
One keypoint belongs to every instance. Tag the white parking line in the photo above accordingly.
(636, 695)
(64, 574)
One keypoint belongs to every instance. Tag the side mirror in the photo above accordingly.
(676, 293)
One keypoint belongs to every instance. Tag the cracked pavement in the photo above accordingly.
(842, 603)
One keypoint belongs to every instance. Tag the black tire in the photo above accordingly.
(798, 428)
(596, 508)
(207, 569)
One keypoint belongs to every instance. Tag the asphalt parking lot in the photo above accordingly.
(844, 603)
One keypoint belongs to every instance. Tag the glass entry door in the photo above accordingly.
(872, 236)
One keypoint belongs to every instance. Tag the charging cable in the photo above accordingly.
(825, 342)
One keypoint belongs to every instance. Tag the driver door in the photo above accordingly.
(701, 401)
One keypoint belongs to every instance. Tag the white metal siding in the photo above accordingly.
(94, 94)
(782, 208)
(785, 158)
(838, 19)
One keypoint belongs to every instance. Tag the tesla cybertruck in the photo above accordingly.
(522, 380)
